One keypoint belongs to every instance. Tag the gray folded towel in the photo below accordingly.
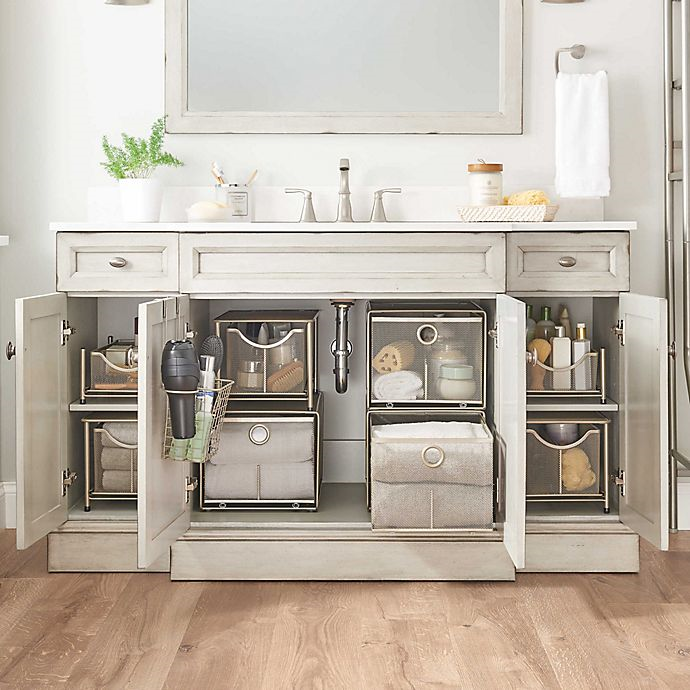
(124, 432)
(119, 481)
(243, 481)
(118, 459)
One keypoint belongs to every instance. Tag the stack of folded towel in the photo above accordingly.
(398, 385)
(118, 464)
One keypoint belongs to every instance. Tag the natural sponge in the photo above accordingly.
(531, 197)
(576, 470)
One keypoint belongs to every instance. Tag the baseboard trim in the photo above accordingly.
(8, 505)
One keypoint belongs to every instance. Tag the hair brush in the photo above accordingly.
(213, 347)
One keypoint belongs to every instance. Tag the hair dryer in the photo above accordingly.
(181, 374)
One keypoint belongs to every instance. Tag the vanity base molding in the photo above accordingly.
(578, 548)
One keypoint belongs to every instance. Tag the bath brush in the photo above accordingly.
(287, 378)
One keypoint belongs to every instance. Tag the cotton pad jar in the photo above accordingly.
(456, 382)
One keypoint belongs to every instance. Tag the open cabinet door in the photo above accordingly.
(510, 419)
(42, 410)
(643, 417)
(163, 510)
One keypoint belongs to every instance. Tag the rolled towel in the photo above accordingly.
(430, 430)
(119, 481)
(118, 459)
(238, 481)
(398, 385)
(124, 432)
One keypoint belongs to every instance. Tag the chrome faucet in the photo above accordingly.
(344, 205)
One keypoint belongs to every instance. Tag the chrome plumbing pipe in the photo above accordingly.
(341, 346)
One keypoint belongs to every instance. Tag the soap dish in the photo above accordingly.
(508, 214)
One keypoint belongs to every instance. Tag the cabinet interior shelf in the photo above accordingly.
(105, 405)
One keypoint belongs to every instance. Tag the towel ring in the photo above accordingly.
(577, 52)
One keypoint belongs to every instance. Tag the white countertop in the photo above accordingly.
(4, 240)
(584, 226)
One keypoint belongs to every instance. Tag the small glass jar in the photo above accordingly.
(456, 382)
(486, 183)
(250, 376)
(238, 199)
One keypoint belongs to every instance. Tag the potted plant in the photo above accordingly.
(132, 166)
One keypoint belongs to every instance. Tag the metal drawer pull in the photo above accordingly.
(567, 261)
(118, 262)
(427, 334)
(438, 452)
(10, 350)
(259, 434)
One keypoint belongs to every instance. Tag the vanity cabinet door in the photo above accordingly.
(643, 407)
(164, 511)
(48, 438)
(510, 418)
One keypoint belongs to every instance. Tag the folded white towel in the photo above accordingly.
(430, 430)
(582, 135)
(398, 385)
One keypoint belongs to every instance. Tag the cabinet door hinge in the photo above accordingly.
(619, 331)
(66, 332)
(619, 481)
(493, 334)
(191, 483)
(68, 478)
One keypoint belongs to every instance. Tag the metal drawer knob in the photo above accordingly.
(118, 262)
(10, 350)
(433, 456)
(259, 434)
(567, 261)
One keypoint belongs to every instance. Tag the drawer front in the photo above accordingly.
(569, 262)
(117, 262)
(342, 263)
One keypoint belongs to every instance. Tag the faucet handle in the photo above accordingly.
(308, 215)
(378, 213)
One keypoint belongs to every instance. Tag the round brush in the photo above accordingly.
(213, 347)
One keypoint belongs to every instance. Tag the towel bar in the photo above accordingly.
(576, 51)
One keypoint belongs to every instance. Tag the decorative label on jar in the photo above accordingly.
(486, 183)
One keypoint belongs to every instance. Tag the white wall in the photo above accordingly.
(71, 71)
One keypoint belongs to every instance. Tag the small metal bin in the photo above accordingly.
(422, 355)
(110, 371)
(269, 458)
(568, 458)
(270, 355)
(110, 457)
(430, 471)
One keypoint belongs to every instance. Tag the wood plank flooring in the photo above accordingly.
(142, 631)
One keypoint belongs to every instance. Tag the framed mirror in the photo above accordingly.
(344, 66)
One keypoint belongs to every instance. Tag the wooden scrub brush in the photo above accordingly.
(287, 378)
(537, 373)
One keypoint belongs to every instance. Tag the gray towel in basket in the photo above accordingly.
(119, 481)
(118, 459)
(124, 432)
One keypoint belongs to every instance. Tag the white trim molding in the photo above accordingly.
(8, 505)
(684, 503)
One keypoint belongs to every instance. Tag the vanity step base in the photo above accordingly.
(581, 548)
(98, 547)
(337, 556)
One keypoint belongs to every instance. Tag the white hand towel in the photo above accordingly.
(398, 385)
(582, 135)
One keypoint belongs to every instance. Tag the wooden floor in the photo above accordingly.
(144, 632)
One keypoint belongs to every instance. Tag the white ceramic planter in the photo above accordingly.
(141, 200)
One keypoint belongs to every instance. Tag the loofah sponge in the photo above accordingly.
(576, 470)
(395, 356)
(532, 197)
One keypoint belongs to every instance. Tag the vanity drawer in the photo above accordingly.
(572, 262)
(330, 263)
(117, 262)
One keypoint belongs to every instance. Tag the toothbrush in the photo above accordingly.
(217, 172)
(251, 179)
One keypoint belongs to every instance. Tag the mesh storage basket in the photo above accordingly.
(584, 377)
(113, 369)
(423, 355)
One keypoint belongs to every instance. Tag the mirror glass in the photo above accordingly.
(383, 56)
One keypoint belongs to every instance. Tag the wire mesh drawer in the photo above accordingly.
(112, 370)
(111, 457)
(266, 460)
(421, 355)
(430, 475)
(567, 460)
(270, 355)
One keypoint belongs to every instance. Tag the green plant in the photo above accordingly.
(138, 158)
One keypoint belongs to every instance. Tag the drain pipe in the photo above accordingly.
(341, 347)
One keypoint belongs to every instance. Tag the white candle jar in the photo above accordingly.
(486, 184)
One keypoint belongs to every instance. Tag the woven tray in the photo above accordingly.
(507, 214)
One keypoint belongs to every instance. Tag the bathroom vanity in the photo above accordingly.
(178, 277)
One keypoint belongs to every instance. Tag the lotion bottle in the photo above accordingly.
(582, 374)
(531, 326)
(560, 358)
(546, 328)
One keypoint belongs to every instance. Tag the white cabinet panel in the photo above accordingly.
(568, 262)
(643, 417)
(510, 417)
(354, 264)
(102, 262)
(163, 511)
